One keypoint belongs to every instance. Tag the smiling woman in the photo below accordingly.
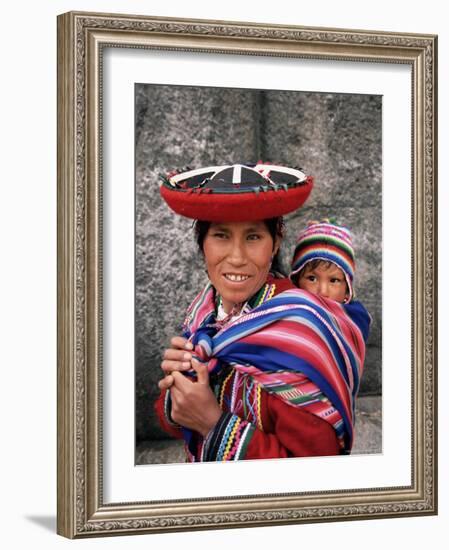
(238, 258)
(262, 369)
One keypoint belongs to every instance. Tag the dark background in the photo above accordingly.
(337, 138)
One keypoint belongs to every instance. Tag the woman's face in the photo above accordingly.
(238, 258)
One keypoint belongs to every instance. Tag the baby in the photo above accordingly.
(323, 261)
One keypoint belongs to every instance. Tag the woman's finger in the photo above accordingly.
(171, 366)
(201, 372)
(177, 355)
(166, 382)
(179, 342)
(181, 382)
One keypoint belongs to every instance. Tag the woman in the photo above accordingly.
(263, 370)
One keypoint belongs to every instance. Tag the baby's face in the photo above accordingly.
(325, 280)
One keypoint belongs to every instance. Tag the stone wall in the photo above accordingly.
(335, 137)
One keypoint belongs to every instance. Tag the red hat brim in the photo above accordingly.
(199, 204)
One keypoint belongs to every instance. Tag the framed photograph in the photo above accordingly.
(285, 125)
(143, 97)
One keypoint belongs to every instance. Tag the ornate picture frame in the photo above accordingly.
(82, 41)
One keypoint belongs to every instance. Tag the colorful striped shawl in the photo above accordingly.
(307, 350)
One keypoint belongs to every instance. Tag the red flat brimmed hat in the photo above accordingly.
(237, 192)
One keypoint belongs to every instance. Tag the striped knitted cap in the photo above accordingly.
(329, 242)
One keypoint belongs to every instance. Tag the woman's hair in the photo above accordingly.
(275, 227)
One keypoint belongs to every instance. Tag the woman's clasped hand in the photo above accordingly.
(193, 403)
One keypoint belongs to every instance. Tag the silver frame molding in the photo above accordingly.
(81, 39)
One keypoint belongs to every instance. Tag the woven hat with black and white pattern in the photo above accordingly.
(236, 193)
